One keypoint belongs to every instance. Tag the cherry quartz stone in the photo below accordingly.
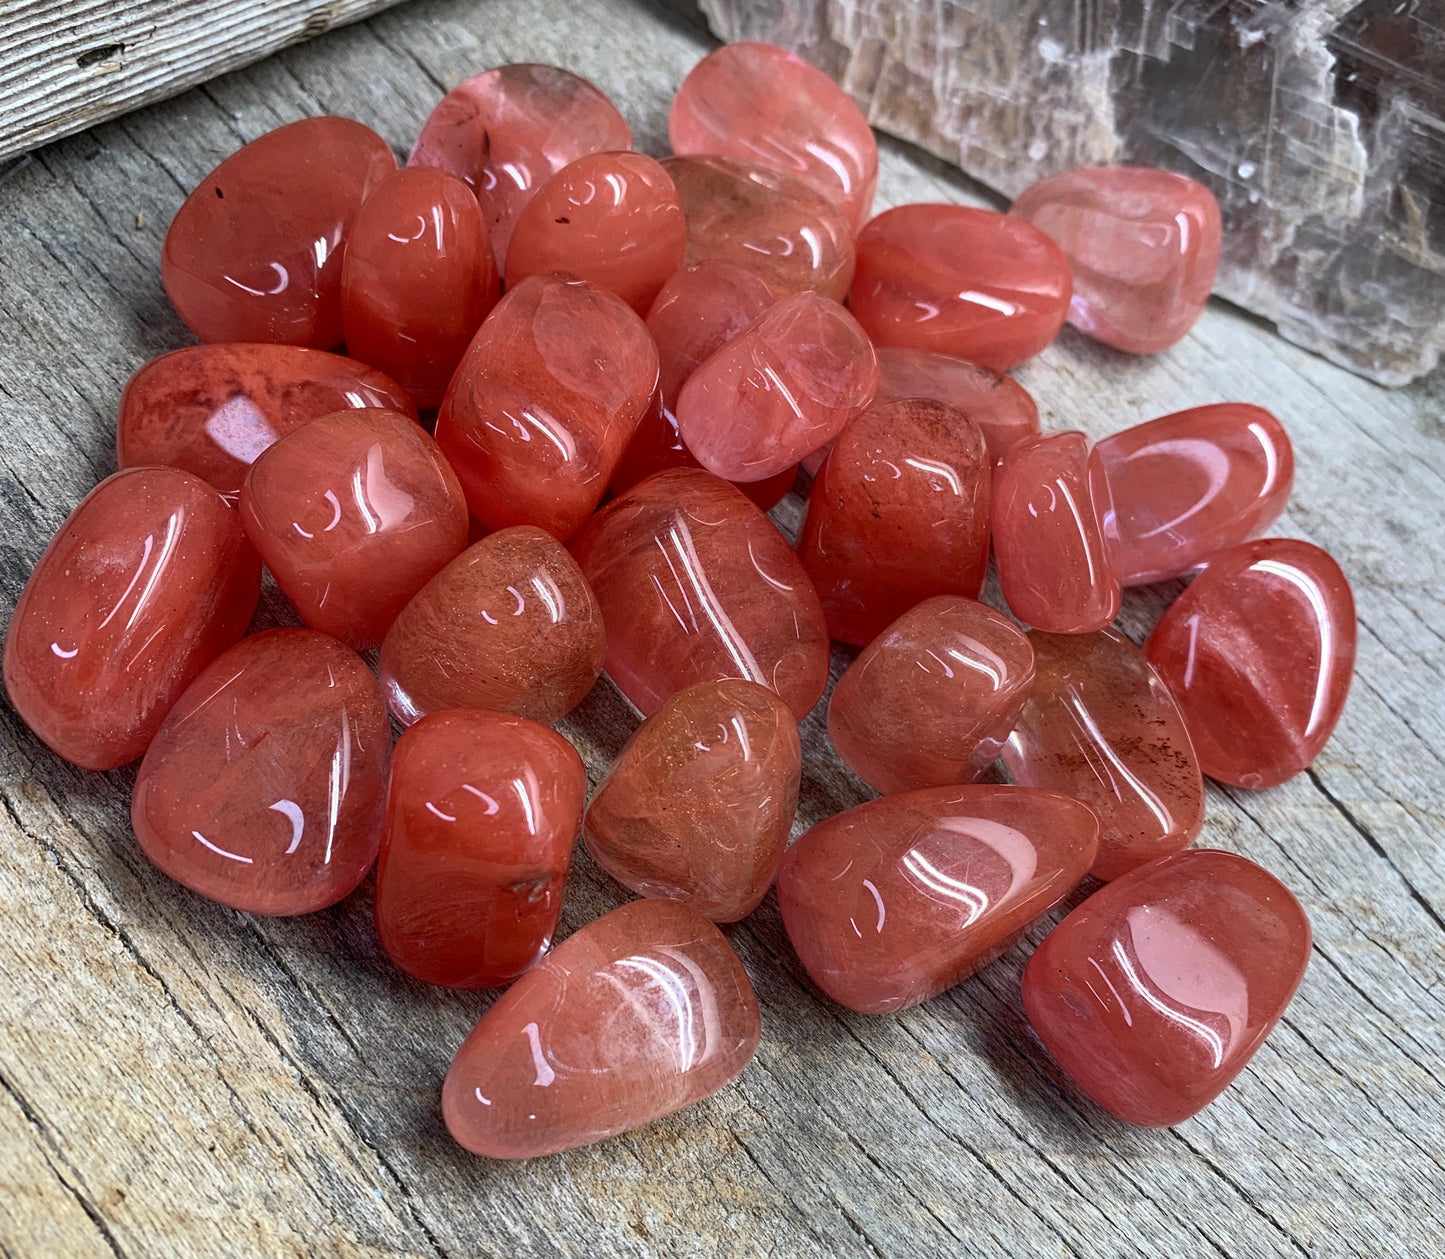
(977, 285)
(1054, 534)
(757, 103)
(755, 217)
(784, 387)
(148, 580)
(696, 584)
(509, 129)
(897, 900)
(543, 405)
(1143, 245)
(930, 701)
(482, 811)
(510, 625)
(1188, 485)
(1155, 992)
(353, 514)
(418, 279)
(642, 1012)
(898, 512)
(255, 252)
(614, 219)
(264, 788)
(1259, 651)
(698, 805)
(1101, 726)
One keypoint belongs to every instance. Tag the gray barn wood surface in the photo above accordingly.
(179, 1079)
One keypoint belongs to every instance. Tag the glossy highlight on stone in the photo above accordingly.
(1155, 993)
(898, 513)
(353, 514)
(264, 788)
(1190, 484)
(897, 900)
(696, 584)
(976, 285)
(254, 253)
(640, 1013)
(1143, 245)
(1259, 651)
(698, 805)
(482, 810)
(147, 581)
(930, 701)
(1101, 726)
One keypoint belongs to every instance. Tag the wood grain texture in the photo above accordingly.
(178, 1079)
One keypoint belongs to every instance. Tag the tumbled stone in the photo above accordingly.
(418, 279)
(976, 285)
(264, 787)
(509, 625)
(1054, 535)
(147, 581)
(254, 253)
(481, 814)
(898, 512)
(1155, 992)
(1143, 246)
(698, 805)
(1190, 484)
(544, 403)
(353, 514)
(1259, 651)
(930, 701)
(1101, 726)
(638, 1014)
(507, 130)
(696, 584)
(897, 900)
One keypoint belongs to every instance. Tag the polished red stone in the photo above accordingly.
(1054, 536)
(146, 582)
(1155, 992)
(354, 514)
(545, 402)
(897, 900)
(264, 787)
(1259, 651)
(418, 279)
(507, 130)
(255, 252)
(696, 584)
(1143, 245)
(971, 283)
(482, 811)
(211, 409)
(779, 390)
(614, 219)
(1101, 726)
(772, 224)
(698, 805)
(640, 1013)
(898, 512)
(930, 701)
(510, 625)
(1190, 484)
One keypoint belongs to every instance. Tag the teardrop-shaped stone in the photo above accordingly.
(1259, 651)
(1100, 725)
(640, 1013)
(698, 805)
(930, 701)
(1155, 992)
(899, 899)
